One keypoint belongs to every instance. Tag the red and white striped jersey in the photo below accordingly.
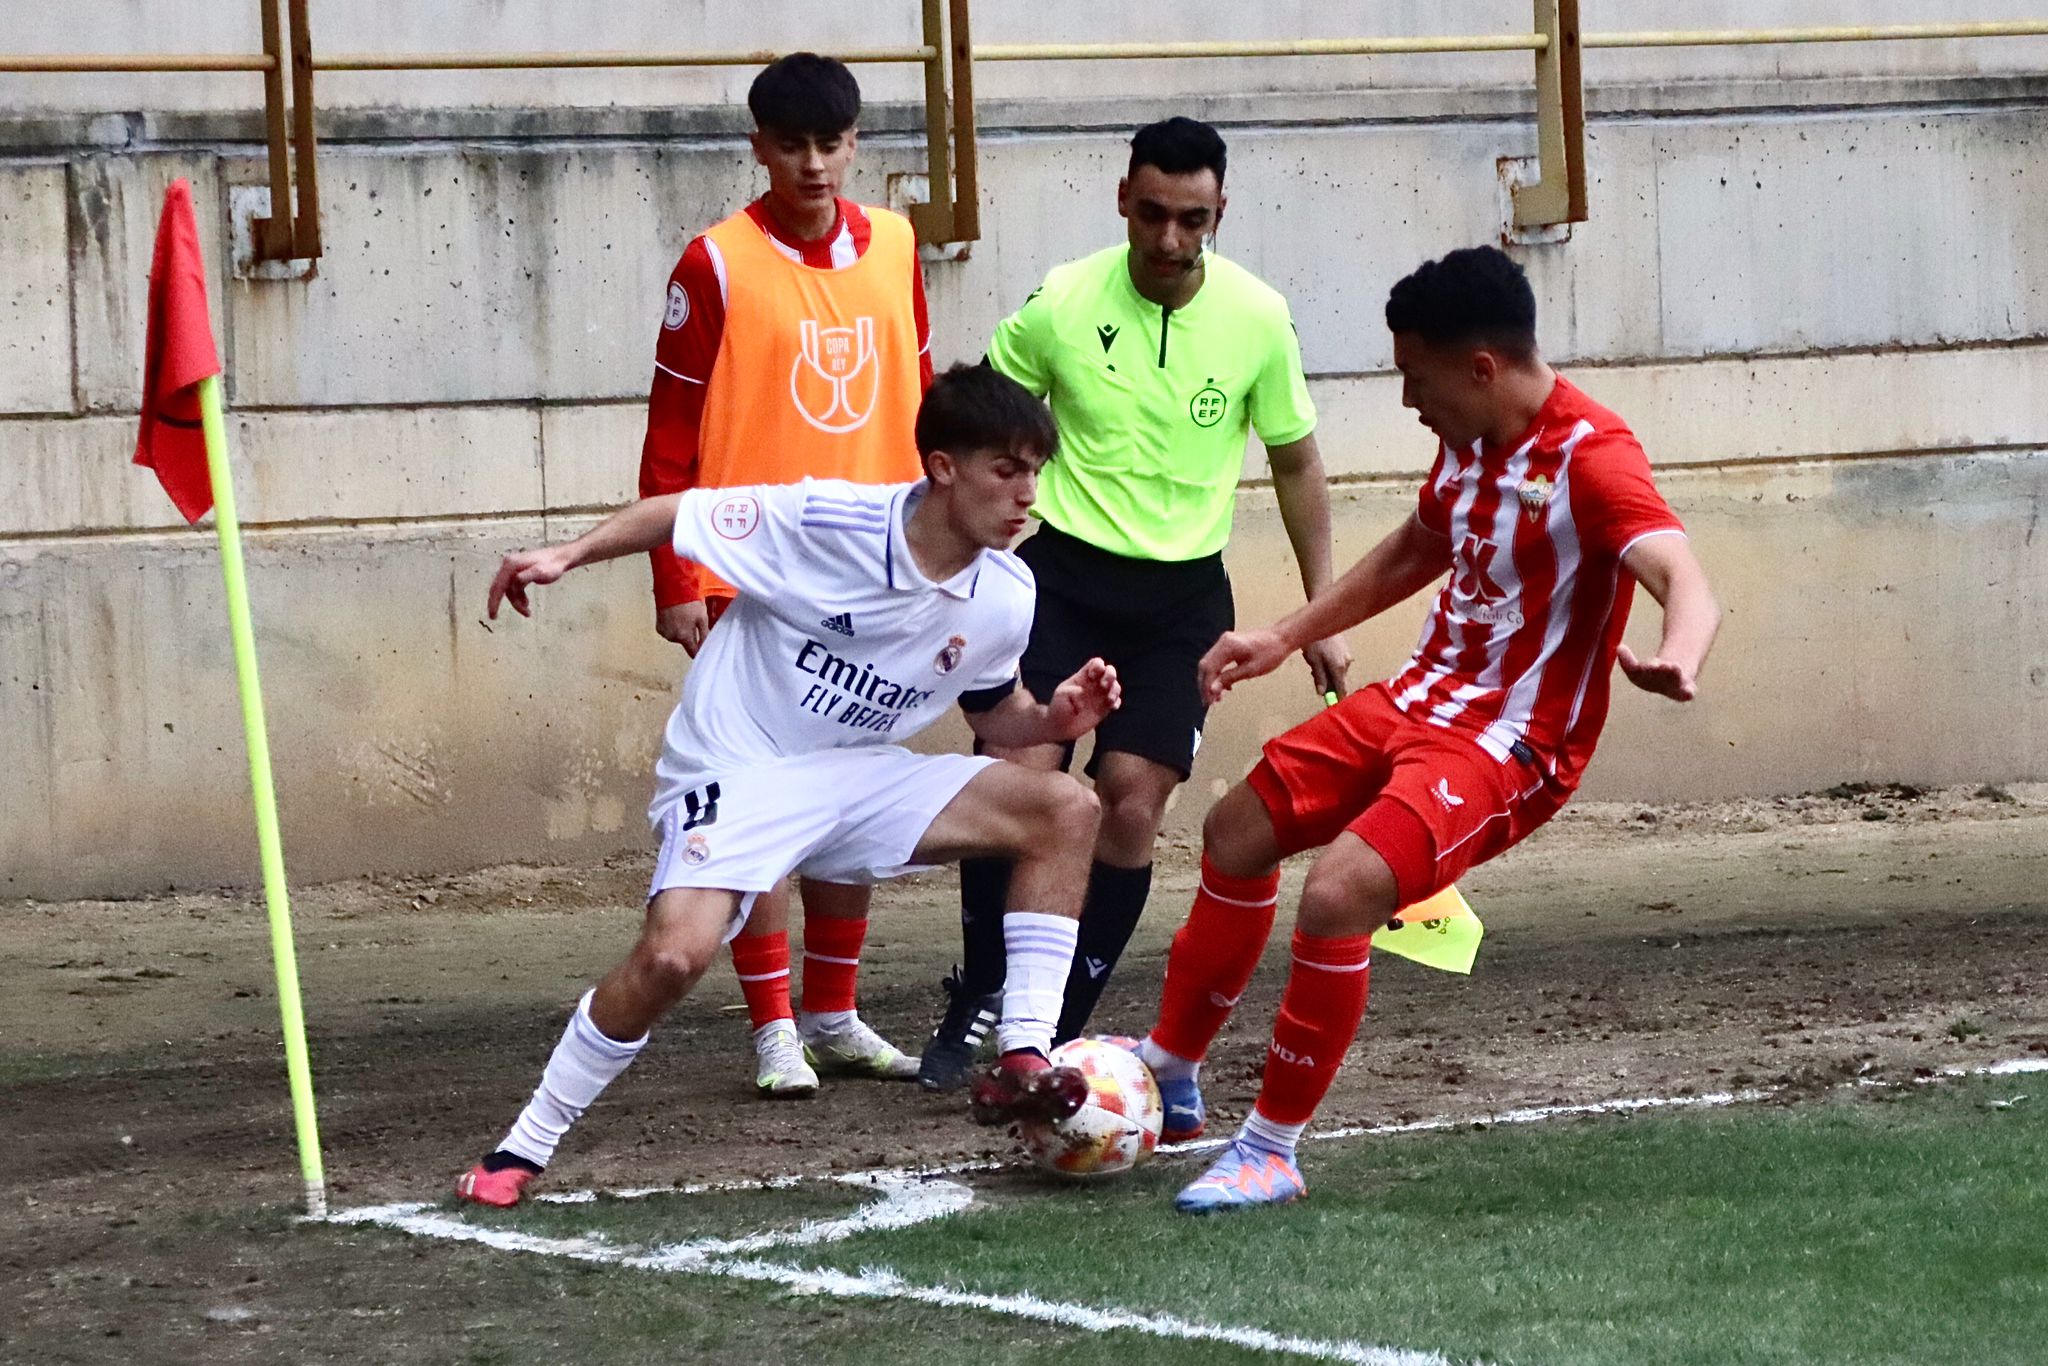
(1519, 649)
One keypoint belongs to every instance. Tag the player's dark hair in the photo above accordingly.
(975, 408)
(806, 94)
(1476, 295)
(1179, 145)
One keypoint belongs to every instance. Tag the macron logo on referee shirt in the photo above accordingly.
(842, 623)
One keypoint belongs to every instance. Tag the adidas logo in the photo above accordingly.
(1449, 800)
(978, 1030)
(842, 623)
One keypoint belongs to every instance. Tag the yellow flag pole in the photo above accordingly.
(264, 793)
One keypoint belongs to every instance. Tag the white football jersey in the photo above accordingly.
(836, 638)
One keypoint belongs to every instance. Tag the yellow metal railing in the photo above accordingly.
(948, 55)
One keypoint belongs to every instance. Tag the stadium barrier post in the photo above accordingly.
(305, 164)
(933, 219)
(273, 235)
(966, 171)
(1549, 200)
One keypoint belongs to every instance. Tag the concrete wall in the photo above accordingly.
(1820, 302)
(727, 25)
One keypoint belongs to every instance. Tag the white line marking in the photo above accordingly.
(918, 1195)
(1997, 1069)
(875, 1176)
(905, 1202)
(882, 1284)
(1526, 1115)
(1536, 1113)
(1530, 1115)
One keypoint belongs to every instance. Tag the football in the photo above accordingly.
(1118, 1126)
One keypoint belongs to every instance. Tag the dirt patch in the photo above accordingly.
(1873, 930)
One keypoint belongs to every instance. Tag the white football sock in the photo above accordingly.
(1166, 1064)
(1041, 953)
(1270, 1134)
(809, 1022)
(583, 1064)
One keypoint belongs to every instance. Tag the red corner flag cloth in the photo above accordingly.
(179, 353)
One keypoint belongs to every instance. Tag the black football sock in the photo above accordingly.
(1116, 898)
(500, 1160)
(984, 894)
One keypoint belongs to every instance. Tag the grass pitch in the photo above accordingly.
(1871, 1227)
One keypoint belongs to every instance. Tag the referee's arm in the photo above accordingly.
(1021, 346)
(1302, 489)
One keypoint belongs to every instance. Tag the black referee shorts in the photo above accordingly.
(1152, 619)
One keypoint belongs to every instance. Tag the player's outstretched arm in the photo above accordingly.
(633, 529)
(1077, 706)
(1668, 570)
(1405, 560)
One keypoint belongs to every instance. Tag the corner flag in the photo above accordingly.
(178, 354)
(184, 440)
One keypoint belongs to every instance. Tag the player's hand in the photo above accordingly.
(1239, 655)
(1080, 704)
(685, 624)
(522, 568)
(1328, 662)
(1664, 677)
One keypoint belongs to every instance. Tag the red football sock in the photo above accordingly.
(1319, 1015)
(831, 962)
(762, 961)
(1213, 957)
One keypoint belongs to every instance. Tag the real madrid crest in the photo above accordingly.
(1535, 495)
(949, 658)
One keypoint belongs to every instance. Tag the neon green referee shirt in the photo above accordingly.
(1153, 404)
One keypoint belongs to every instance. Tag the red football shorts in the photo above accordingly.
(1428, 800)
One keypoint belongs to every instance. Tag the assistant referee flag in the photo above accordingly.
(177, 354)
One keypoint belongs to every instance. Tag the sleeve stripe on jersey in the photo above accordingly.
(852, 504)
(1660, 531)
(877, 519)
(687, 379)
(875, 529)
(718, 268)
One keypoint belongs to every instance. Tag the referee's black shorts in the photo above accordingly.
(1152, 619)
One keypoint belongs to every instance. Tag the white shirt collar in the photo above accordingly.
(899, 567)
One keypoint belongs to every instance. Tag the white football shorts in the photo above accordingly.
(843, 815)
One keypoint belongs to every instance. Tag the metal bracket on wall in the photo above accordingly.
(292, 230)
(1559, 195)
